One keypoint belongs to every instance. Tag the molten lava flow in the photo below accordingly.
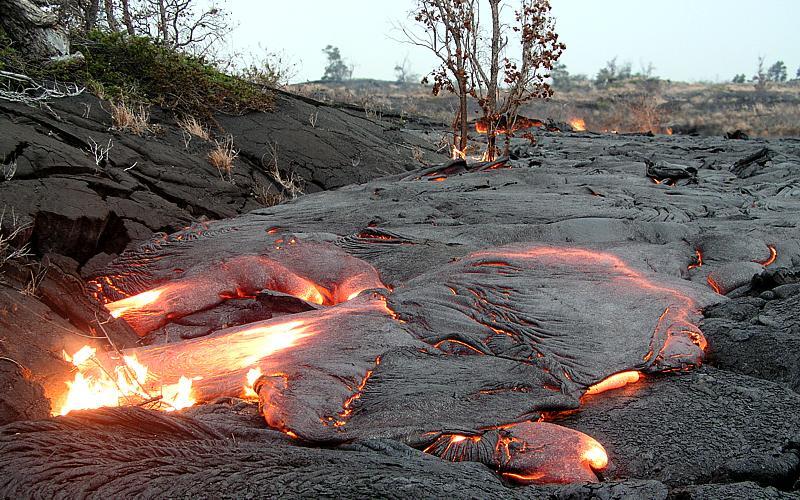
(595, 455)
(527, 452)
(773, 256)
(665, 182)
(347, 406)
(714, 286)
(137, 302)
(615, 381)
(459, 343)
(553, 454)
(250, 380)
(675, 323)
(578, 124)
(698, 261)
(175, 376)
(238, 278)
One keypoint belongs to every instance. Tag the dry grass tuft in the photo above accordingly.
(130, 118)
(266, 197)
(192, 126)
(222, 157)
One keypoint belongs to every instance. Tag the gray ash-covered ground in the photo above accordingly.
(509, 291)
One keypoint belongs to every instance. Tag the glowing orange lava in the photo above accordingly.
(347, 406)
(252, 376)
(714, 286)
(679, 321)
(596, 456)
(136, 302)
(539, 452)
(578, 124)
(169, 375)
(615, 381)
(773, 256)
(698, 261)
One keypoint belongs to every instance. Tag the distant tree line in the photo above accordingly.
(610, 75)
(777, 73)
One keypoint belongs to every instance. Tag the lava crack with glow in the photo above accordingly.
(314, 372)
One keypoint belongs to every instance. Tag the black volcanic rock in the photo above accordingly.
(81, 205)
(476, 333)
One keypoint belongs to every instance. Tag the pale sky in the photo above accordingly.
(687, 40)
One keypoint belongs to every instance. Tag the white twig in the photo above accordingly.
(16, 87)
(9, 170)
(100, 153)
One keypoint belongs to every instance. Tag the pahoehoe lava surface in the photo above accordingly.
(448, 314)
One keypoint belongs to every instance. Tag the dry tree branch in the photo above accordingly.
(291, 184)
(16, 87)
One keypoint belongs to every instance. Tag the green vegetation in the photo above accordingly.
(137, 69)
(10, 60)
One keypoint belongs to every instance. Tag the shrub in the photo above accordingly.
(136, 68)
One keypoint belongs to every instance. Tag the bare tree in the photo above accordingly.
(181, 24)
(448, 34)
(480, 64)
(189, 25)
(524, 78)
(404, 72)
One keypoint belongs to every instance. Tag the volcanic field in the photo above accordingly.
(596, 316)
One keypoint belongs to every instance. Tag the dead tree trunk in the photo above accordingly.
(127, 18)
(34, 32)
(113, 25)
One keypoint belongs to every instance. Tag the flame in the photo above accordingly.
(501, 126)
(669, 131)
(88, 391)
(179, 396)
(458, 154)
(83, 355)
(577, 124)
(140, 301)
(250, 380)
(130, 383)
(615, 381)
